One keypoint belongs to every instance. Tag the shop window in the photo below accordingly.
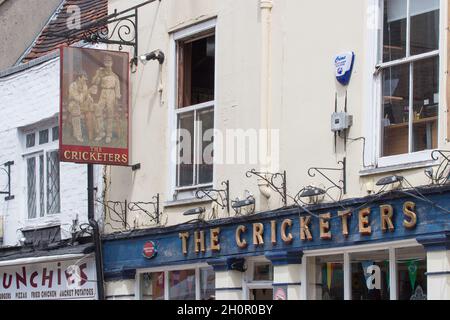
(190, 284)
(411, 277)
(259, 280)
(370, 275)
(42, 173)
(182, 285)
(207, 284)
(195, 109)
(152, 286)
(409, 75)
(327, 277)
(262, 271)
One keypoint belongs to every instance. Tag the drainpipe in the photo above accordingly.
(95, 234)
(266, 87)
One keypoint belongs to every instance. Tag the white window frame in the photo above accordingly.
(249, 283)
(186, 193)
(374, 87)
(138, 278)
(35, 152)
(346, 252)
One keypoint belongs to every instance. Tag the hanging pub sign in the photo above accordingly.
(94, 108)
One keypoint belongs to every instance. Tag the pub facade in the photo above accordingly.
(296, 151)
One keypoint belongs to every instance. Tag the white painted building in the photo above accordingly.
(46, 193)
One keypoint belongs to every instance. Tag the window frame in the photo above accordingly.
(374, 87)
(201, 29)
(346, 252)
(138, 292)
(35, 152)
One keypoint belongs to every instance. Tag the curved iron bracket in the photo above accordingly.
(8, 187)
(119, 28)
(442, 174)
(118, 211)
(219, 196)
(273, 181)
(343, 181)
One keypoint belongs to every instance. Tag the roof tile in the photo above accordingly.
(91, 11)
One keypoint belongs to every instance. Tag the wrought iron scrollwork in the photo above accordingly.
(343, 187)
(120, 211)
(219, 196)
(275, 181)
(7, 189)
(442, 174)
(120, 28)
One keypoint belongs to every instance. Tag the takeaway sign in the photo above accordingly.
(58, 280)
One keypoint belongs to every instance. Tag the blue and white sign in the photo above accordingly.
(344, 67)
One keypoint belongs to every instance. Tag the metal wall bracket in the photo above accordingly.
(442, 174)
(118, 211)
(8, 187)
(276, 181)
(119, 28)
(343, 181)
(219, 196)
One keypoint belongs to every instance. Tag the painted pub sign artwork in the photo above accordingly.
(94, 106)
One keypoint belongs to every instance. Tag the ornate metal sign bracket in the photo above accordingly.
(8, 187)
(343, 181)
(219, 196)
(119, 28)
(119, 211)
(271, 180)
(442, 174)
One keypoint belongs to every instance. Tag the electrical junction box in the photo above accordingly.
(341, 121)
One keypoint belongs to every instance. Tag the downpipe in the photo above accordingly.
(266, 89)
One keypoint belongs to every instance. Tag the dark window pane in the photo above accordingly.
(196, 63)
(53, 199)
(185, 168)
(182, 285)
(205, 168)
(31, 187)
(55, 133)
(43, 136)
(41, 186)
(263, 271)
(411, 273)
(370, 272)
(424, 26)
(395, 122)
(426, 102)
(328, 278)
(157, 283)
(31, 140)
(394, 29)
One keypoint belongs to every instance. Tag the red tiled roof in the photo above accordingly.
(90, 10)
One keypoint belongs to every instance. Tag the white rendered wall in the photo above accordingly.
(27, 97)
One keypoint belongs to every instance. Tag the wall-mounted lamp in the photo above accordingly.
(195, 211)
(154, 55)
(311, 192)
(243, 203)
(389, 180)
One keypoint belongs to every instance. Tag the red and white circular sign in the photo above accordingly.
(149, 250)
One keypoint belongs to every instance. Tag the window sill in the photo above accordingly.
(185, 202)
(398, 167)
(39, 224)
